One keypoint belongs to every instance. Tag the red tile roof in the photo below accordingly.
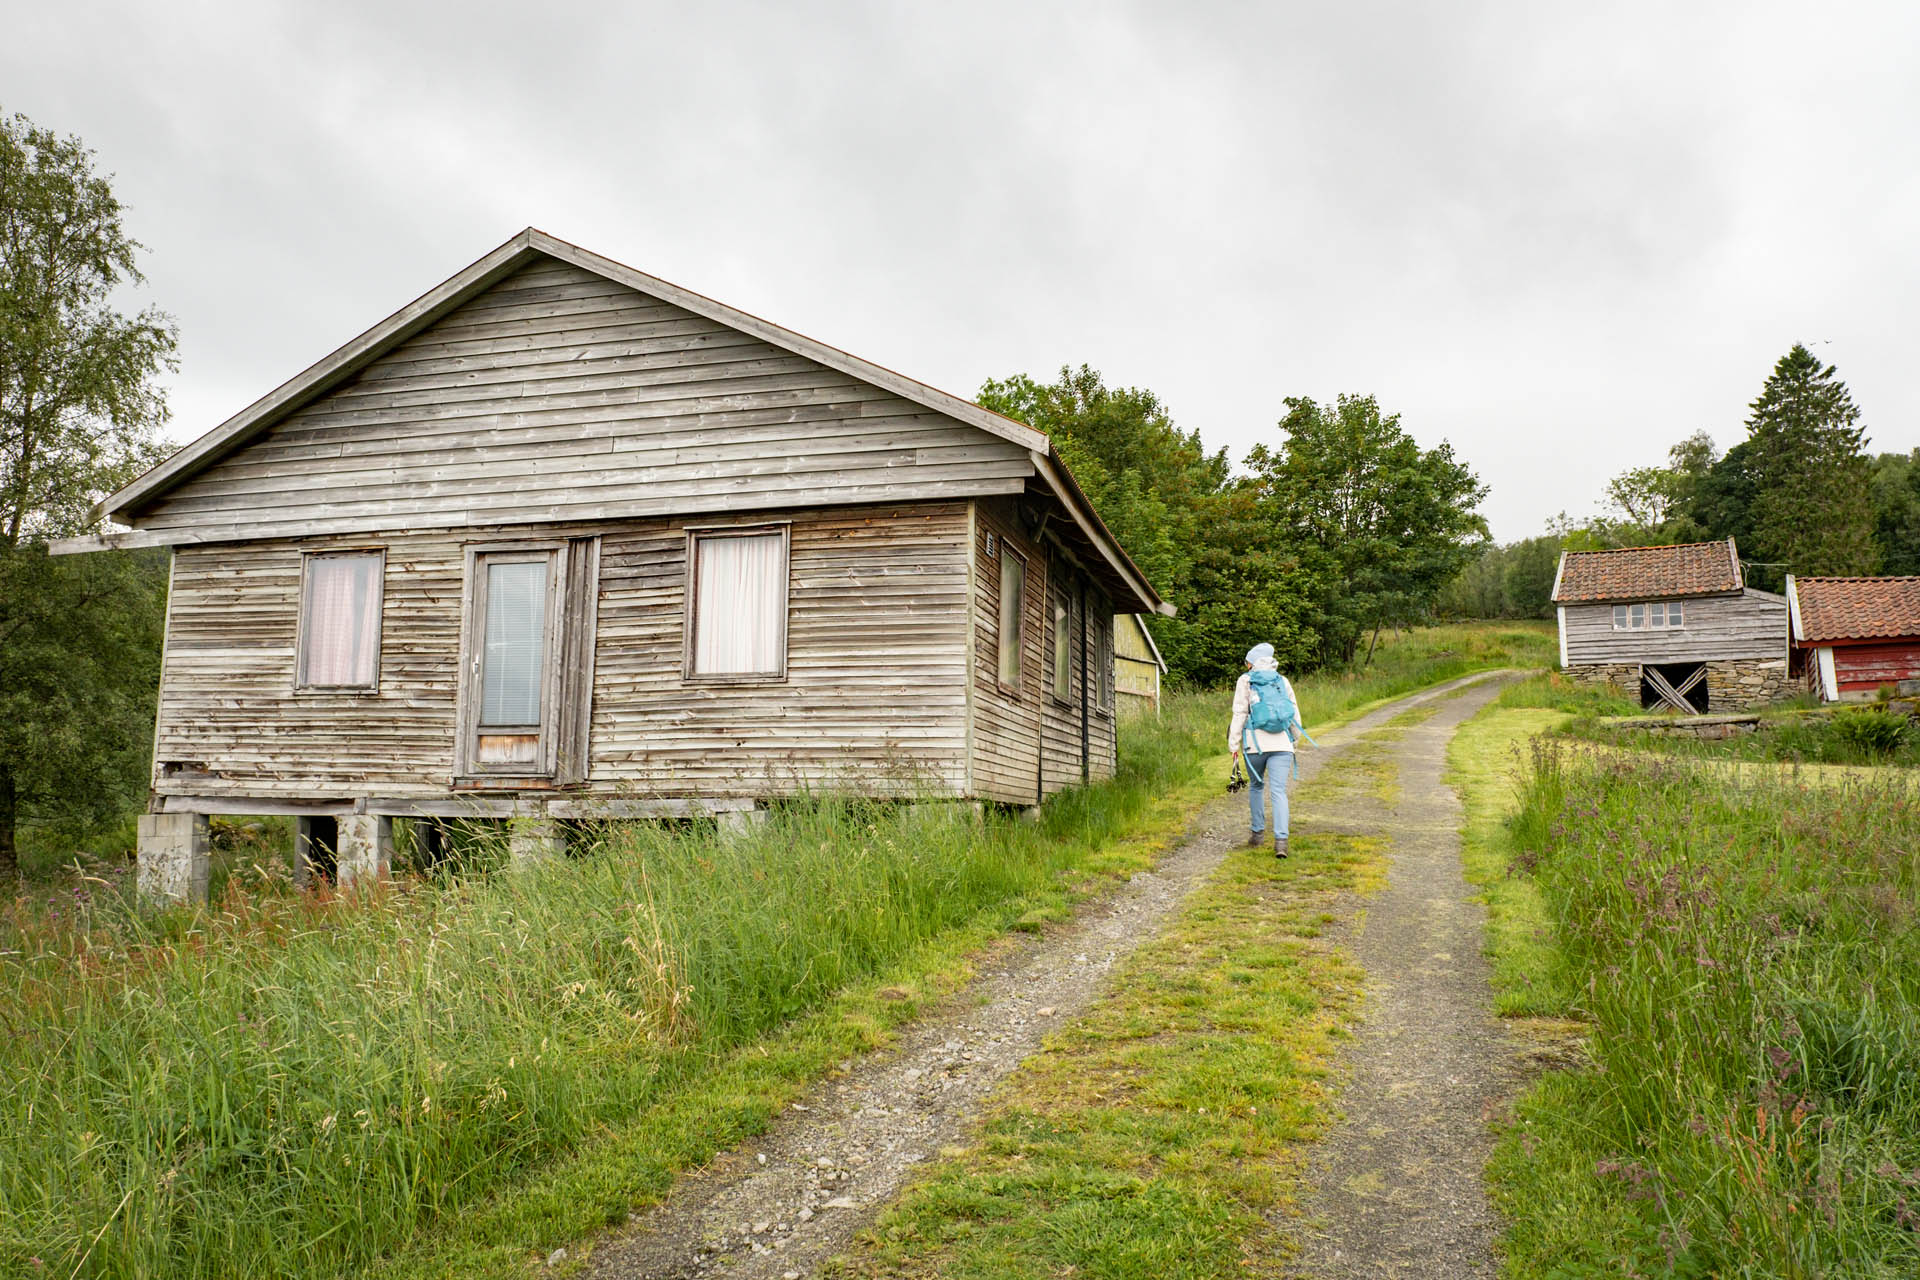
(1855, 608)
(1650, 573)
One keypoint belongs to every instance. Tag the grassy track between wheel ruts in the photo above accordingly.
(1158, 1135)
(1742, 948)
(452, 1078)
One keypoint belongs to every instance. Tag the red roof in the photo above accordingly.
(1650, 573)
(1855, 608)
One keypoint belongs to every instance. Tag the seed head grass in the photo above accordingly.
(1744, 952)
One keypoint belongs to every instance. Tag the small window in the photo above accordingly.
(1105, 658)
(1013, 599)
(1657, 614)
(1675, 616)
(1638, 613)
(738, 611)
(1619, 617)
(340, 622)
(1062, 650)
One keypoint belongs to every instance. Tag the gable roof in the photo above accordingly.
(1641, 573)
(1825, 609)
(236, 432)
(1146, 633)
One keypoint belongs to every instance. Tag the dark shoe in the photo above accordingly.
(1279, 846)
(1255, 839)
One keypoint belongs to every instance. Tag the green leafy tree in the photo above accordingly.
(79, 413)
(1812, 499)
(1173, 505)
(1379, 524)
(1896, 511)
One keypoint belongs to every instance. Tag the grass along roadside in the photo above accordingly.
(1743, 950)
(290, 1085)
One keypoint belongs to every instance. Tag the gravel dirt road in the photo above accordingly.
(787, 1202)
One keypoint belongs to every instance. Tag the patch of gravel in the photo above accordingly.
(780, 1206)
(1397, 1183)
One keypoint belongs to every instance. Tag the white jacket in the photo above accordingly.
(1262, 741)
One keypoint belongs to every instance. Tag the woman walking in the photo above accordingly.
(1266, 728)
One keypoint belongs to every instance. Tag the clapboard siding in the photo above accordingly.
(1006, 724)
(1103, 728)
(877, 607)
(1864, 666)
(1750, 625)
(1060, 721)
(558, 395)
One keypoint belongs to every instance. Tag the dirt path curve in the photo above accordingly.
(1398, 1181)
(780, 1206)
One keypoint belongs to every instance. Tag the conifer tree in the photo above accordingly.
(1812, 498)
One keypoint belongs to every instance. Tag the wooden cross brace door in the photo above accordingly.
(1673, 694)
(526, 677)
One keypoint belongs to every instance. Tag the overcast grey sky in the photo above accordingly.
(1560, 236)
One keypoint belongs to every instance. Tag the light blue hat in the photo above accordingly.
(1260, 653)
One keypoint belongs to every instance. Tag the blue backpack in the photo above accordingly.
(1271, 709)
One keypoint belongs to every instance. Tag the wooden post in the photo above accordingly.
(174, 857)
(365, 854)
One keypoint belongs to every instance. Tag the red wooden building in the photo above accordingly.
(1853, 635)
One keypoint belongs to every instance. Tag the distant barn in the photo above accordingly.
(1855, 634)
(1138, 666)
(562, 540)
(1673, 627)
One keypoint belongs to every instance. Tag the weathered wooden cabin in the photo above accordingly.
(1137, 666)
(1674, 627)
(560, 540)
(1853, 635)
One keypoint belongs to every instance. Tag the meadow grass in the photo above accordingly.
(1745, 955)
(298, 1085)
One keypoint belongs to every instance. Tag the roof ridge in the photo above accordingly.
(1650, 546)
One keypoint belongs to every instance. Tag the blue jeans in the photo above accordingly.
(1269, 771)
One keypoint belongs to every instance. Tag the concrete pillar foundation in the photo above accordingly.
(739, 822)
(532, 841)
(174, 857)
(365, 853)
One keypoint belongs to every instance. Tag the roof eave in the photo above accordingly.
(1060, 480)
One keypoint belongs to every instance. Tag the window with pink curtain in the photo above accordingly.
(340, 629)
(740, 604)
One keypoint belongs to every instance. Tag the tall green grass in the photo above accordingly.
(288, 1086)
(1748, 956)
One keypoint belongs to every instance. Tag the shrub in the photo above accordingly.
(1871, 730)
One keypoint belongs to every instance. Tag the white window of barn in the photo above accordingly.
(1659, 615)
(1013, 602)
(737, 611)
(339, 648)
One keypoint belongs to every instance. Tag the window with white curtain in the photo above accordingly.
(513, 660)
(738, 616)
(340, 621)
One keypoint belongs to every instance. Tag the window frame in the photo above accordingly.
(473, 640)
(301, 685)
(690, 603)
(1106, 698)
(1009, 556)
(1062, 605)
(1623, 615)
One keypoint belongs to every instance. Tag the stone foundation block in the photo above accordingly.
(365, 854)
(532, 841)
(174, 857)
